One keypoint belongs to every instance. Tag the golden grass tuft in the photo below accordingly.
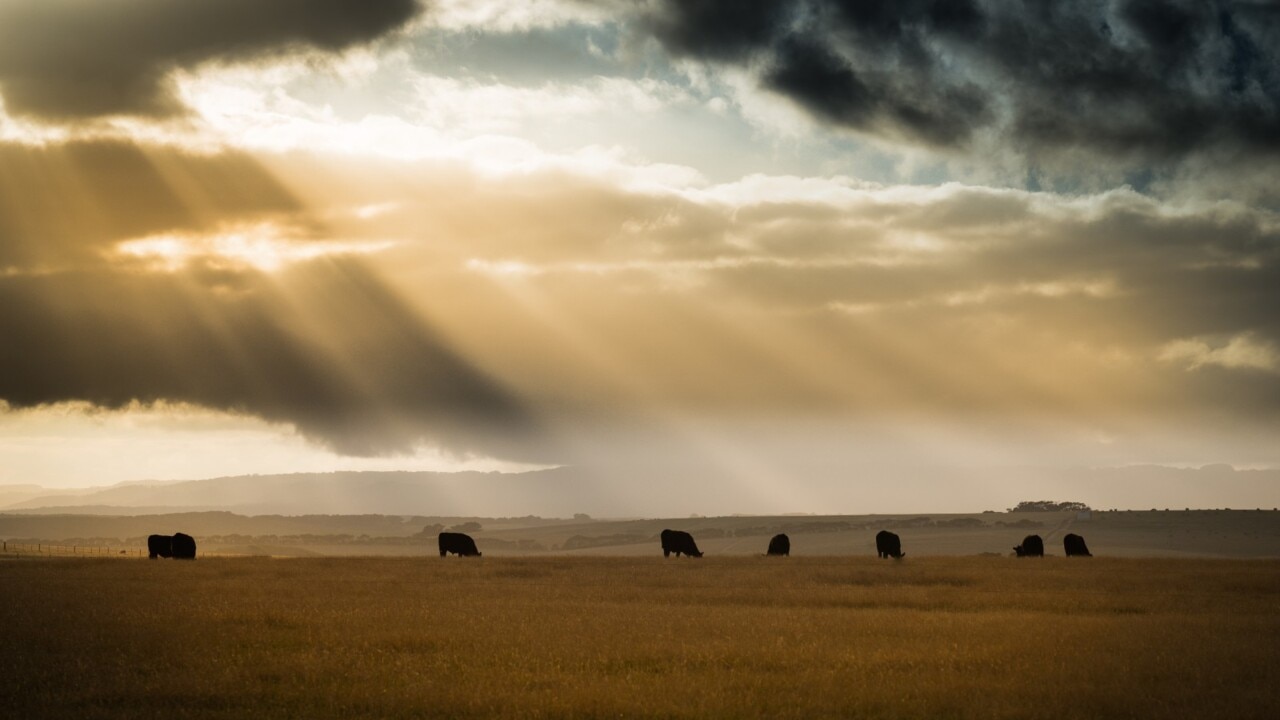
(977, 637)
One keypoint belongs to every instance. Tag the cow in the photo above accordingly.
(177, 545)
(159, 546)
(1032, 546)
(779, 545)
(889, 545)
(459, 544)
(184, 547)
(1074, 545)
(680, 543)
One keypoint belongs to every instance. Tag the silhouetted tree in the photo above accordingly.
(1048, 506)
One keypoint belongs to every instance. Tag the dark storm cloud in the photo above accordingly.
(74, 59)
(325, 347)
(829, 87)
(1151, 80)
(66, 204)
(719, 29)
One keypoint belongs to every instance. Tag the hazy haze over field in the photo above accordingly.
(804, 248)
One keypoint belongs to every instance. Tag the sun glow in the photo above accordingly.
(265, 246)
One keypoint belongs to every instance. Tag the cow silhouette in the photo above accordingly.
(1074, 545)
(889, 545)
(459, 544)
(680, 543)
(779, 545)
(177, 545)
(159, 546)
(184, 547)
(1032, 546)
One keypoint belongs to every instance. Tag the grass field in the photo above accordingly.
(937, 637)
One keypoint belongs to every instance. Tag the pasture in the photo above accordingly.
(935, 637)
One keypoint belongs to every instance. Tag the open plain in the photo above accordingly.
(938, 637)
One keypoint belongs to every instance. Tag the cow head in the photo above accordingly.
(1017, 549)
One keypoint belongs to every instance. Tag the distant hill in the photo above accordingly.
(547, 492)
(12, 495)
(661, 490)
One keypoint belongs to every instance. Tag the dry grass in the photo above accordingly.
(592, 637)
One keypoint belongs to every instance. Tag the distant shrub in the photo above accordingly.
(1048, 506)
(918, 521)
(466, 527)
(963, 522)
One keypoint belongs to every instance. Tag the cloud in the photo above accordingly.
(67, 204)
(504, 16)
(732, 300)
(1140, 81)
(324, 346)
(1242, 352)
(498, 108)
(488, 310)
(80, 59)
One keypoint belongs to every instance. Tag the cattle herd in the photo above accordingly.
(679, 542)
(888, 545)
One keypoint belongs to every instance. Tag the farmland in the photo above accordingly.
(1126, 533)
(557, 636)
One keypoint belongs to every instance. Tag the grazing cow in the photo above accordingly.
(184, 547)
(160, 546)
(889, 545)
(459, 544)
(680, 543)
(780, 545)
(1074, 545)
(1032, 546)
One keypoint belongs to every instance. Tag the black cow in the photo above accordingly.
(1074, 545)
(1032, 546)
(780, 545)
(889, 545)
(177, 545)
(160, 546)
(680, 543)
(184, 547)
(459, 544)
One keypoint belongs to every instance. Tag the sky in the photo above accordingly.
(802, 245)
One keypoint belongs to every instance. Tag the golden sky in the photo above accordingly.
(790, 241)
